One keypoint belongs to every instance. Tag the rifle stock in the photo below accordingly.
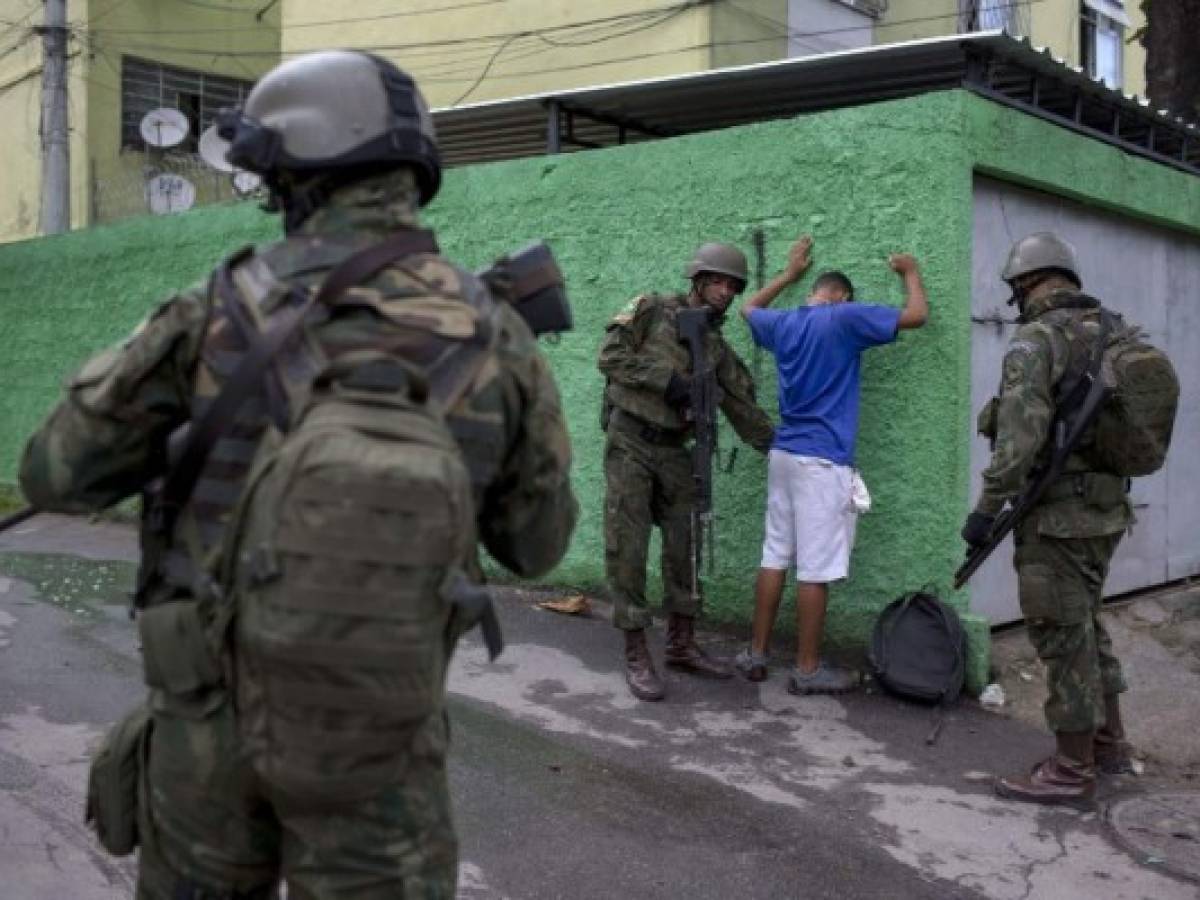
(532, 282)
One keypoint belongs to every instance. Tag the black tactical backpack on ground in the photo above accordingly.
(919, 649)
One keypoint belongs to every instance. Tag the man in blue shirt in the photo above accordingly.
(811, 483)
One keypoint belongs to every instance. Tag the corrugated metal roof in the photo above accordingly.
(1003, 68)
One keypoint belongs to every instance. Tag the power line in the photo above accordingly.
(468, 4)
(444, 42)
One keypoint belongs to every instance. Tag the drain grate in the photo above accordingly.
(1161, 829)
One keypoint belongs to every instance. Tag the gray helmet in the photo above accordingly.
(723, 258)
(334, 109)
(1043, 250)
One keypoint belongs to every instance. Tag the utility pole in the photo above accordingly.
(56, 140)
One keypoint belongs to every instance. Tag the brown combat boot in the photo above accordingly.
(1112, 753)
(643, 681)
(684, 653)
(1068, 778)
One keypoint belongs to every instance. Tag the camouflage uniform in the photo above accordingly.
(1064, 547)
(647, 465)
(208, 827)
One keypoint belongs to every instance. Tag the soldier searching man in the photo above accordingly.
(1066, 542)
(647, 467)
(346, 146)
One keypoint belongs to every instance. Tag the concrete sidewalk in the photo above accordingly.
(567, 787)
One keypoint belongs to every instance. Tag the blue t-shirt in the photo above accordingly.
(817, 351)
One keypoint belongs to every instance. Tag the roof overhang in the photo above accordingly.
(1005, 69)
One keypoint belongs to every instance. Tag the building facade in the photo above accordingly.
(124, 60)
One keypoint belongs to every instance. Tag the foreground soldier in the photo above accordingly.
(646, 464)
(1063, 548)
(345, 143)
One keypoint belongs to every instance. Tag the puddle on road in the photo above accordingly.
(79, 586)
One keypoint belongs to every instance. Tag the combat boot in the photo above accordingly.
(643, 681)
(684, 653)
(1068, 778)
(1112, 753)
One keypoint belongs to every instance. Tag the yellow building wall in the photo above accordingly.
(106, 181)
(752, 31)
(1053, 23)
(20, 110)
(233, 43)
(484, 50)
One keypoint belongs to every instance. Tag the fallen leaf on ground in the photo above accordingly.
(575, 605)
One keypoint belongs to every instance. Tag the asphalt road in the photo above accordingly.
(567, 787)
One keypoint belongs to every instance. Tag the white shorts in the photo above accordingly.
(810, 517)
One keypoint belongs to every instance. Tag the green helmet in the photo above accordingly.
(1043, 250)
(334, 109)
(723, 258)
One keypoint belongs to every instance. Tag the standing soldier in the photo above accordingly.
(1064, 546)
(647, 466)
(345, 143)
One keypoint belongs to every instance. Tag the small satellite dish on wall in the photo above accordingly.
(164, 127)
(213, 148)
(246, 183)
(168, 193)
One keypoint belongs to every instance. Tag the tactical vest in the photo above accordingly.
(662, 343)
(180, 564)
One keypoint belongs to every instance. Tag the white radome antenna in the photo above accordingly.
(169, 193)
(164, 128)
(246, 183)
(213, 148)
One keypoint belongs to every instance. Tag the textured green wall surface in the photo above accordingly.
(863, 181)
(1039, 154)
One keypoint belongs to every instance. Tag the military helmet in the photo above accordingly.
(334, 109)
(723, 258)
(1043, 250)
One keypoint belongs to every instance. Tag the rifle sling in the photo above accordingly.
(1070, 422)
(181, 479)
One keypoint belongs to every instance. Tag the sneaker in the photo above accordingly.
(824, 679)
(752, 665)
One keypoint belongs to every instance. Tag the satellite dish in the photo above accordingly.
(164, 127)
(246, 183)
(169, 193)
(213, 148)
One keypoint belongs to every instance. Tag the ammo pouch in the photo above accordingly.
(985, 424)
(176, 653)
(1100, 490)
(114, 780)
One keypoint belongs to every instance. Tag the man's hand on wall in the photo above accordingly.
(902, 263)
(799, 258)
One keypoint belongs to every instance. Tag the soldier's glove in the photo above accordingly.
(978, 528)
(679, 391)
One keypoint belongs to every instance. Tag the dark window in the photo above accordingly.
(147, 85)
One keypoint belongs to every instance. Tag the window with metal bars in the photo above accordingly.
(147, 85)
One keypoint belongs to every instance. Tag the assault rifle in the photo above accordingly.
(702, 409)
(1075, 413)
(532, 282)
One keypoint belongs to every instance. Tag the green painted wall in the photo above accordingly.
(864, 181)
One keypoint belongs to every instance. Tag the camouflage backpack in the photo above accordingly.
(346, 563)
(341, 579)
(1133, 427)
(1130, 431)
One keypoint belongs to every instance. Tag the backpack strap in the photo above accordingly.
(181, 479)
